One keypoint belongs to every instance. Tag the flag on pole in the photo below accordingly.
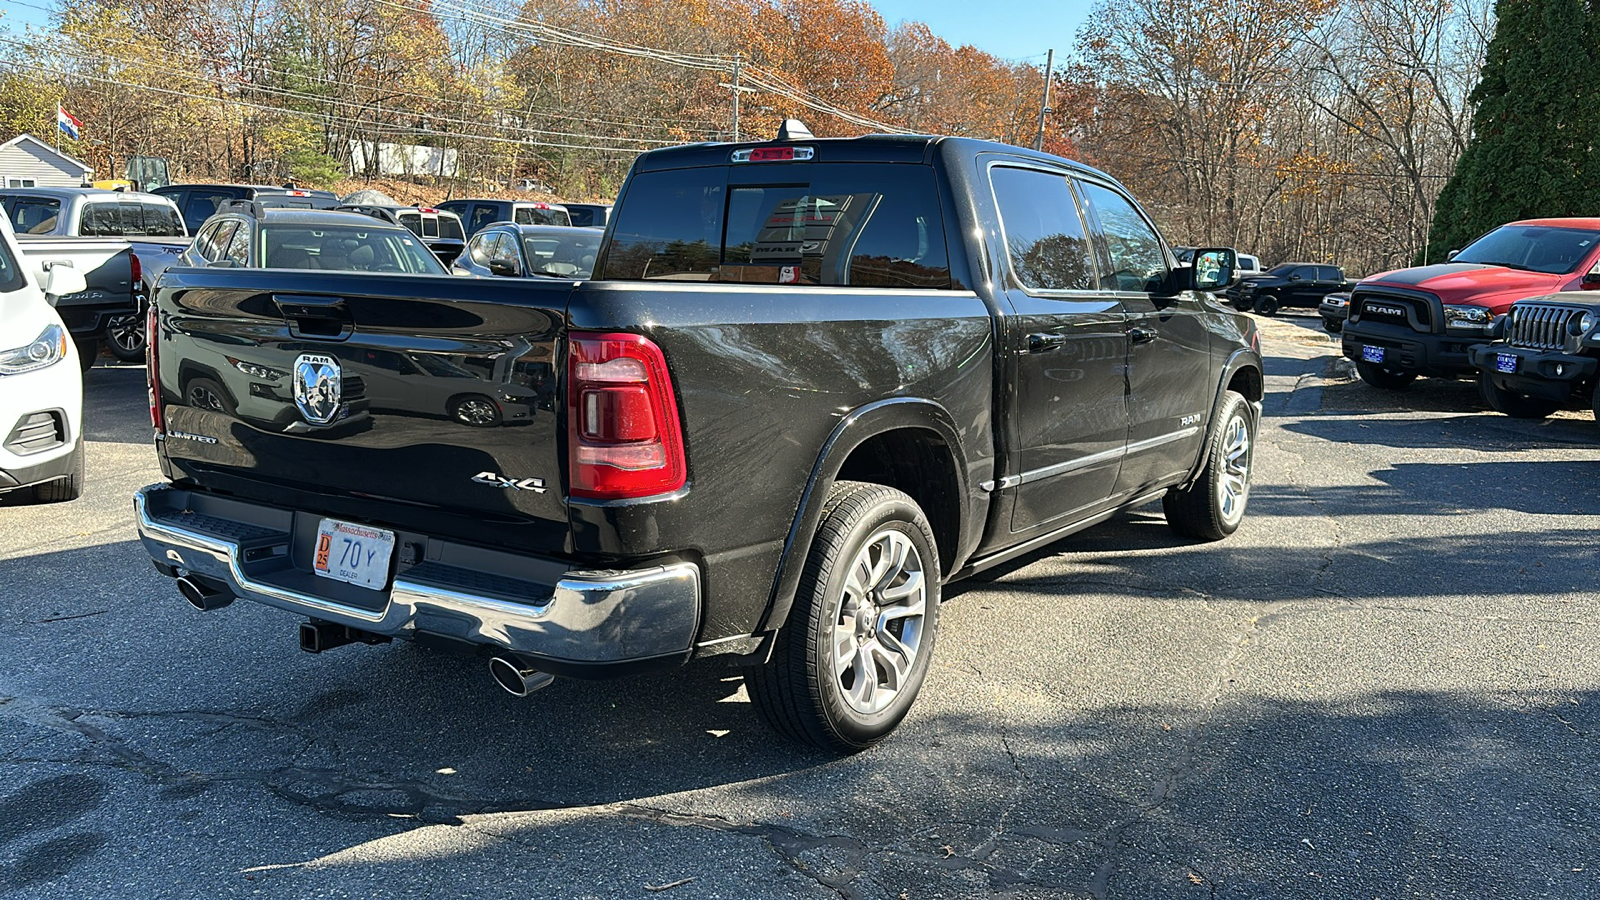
(67, 122)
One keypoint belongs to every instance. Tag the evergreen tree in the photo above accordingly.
(1535, 146)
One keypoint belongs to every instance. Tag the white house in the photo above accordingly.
(26, 161)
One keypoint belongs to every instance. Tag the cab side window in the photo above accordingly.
(1127, 241)
(483, 215)
(239, 246)
(1045, 237)
(1305, 273)
(1328, 274)
(221, 235)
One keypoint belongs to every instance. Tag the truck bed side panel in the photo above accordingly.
(763, 375)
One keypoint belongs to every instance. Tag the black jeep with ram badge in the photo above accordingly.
(810, 383)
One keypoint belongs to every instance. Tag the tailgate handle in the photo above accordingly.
(319, 317)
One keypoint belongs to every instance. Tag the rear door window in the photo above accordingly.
(1329, 274)
(873, 226)
(238, 248)
(1045, 238)
(219, 238)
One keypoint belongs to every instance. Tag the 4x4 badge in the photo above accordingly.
(521, 484)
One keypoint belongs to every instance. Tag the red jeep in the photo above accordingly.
(1421, 321)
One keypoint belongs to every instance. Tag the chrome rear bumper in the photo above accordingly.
(577, 616)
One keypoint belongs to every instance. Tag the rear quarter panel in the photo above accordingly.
(763, 376)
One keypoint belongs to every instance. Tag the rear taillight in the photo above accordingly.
(137, 273)
(152, 376)
(623, 437)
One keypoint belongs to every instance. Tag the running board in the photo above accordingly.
(975, 566)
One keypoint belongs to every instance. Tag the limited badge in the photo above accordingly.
(316, 387)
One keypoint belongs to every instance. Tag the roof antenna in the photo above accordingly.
(794, 130)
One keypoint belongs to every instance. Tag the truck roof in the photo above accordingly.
(283, 215)
(881, 148)
(64, 193)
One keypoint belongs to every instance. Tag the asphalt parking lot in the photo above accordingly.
(1387, 684)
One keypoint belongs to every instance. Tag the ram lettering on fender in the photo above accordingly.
(524, 484)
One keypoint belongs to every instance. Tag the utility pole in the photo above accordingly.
(737, 88)
(1044, 108)
(737, 58)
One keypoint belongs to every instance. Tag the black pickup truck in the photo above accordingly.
(811, 382)
(1289, 284)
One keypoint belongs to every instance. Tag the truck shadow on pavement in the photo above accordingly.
(1444, 489)
(1483, 432)
(1031, 785)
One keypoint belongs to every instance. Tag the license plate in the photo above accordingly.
(1505, 362)
(1371, 353)
(353, 553)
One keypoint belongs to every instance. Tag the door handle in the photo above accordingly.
(1039, 343)
(1142, 335)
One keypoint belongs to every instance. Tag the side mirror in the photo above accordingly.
(504, 268)
(1451, 256)
(63, 280)
(1214, 269)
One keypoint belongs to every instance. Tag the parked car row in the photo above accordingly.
(1512, 310)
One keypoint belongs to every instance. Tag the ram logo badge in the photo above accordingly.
(519, 484)
(1395, 311)
(317, 385)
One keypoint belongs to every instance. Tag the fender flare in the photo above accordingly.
(855, 429)
(1242, 358)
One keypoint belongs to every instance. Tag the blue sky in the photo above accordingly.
(1016, 31)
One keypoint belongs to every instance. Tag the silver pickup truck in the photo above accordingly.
(147, 226)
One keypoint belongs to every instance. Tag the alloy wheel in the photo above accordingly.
(878, 621)
(1233, 487)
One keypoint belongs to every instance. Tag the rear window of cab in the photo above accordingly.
(819, 225)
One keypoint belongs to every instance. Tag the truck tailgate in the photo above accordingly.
(434, 392)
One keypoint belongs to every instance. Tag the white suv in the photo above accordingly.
(41, 386)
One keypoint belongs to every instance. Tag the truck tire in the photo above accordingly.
(854, 652)
(64, 489)
(1515, 404)
(1244, 304)
(1333, 326)
(1381, 378)
(1267, 305)
(124, 337)
(1213, 506)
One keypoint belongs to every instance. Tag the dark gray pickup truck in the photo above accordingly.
(811, 382)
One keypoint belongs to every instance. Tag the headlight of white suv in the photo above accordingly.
(49, 348)
(1467, 318)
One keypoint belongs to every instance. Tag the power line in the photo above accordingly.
(375, 128)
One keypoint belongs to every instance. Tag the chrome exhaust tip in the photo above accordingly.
(201, 596)
(516, 676)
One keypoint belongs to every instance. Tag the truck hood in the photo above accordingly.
(1472, 284)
